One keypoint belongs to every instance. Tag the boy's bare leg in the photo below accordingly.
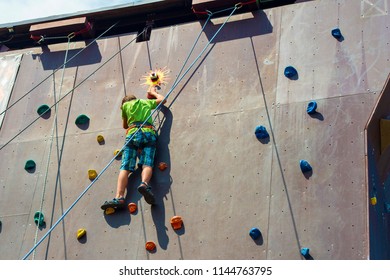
(146, 174)
(123, 179)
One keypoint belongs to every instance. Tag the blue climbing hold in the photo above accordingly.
(261, 132)
(254, 233)
(305, 252)
(290, 72)
(305, 166)
(311, 107)
(39, 219)
(337, 33)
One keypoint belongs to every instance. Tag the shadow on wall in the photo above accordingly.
(162, 180)
(258, 24)
(54, 60)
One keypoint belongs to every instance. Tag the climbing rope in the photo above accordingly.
(51, 142)
(178, 80)
(66, 62)
(65, 95)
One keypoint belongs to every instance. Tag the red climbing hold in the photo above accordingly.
(162, 166)
(176, 222)
(132, 207)
(150, 246)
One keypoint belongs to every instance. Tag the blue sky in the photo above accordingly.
(19, 10)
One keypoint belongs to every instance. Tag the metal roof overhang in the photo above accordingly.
(131, 17)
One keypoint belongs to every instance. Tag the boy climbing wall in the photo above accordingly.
(142, 145)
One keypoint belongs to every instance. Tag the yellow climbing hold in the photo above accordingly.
(100, 139)
(81, 232)
(92, 174)
(373, 200)
(109, 211)
(118, 153)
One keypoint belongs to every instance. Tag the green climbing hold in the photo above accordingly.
(82, 119)
(43, 109)
(39, 219)
(30, 164)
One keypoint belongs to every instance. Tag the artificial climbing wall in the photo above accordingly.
(220, 179)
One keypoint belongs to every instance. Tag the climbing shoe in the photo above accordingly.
(146, 191)
(115, 203)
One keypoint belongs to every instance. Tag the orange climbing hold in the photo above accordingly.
(132, 207)
(162, 166)
(150, 246)
(176, 222)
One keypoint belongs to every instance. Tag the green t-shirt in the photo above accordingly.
(139, 110)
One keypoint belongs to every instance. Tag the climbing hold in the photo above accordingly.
(254, 233)
(100, 139)
(311, 107)
(132, 207)
(290, 72)
(43, 109)
(109, 211)
(261, 132)
(82, 119)
(92, 174)
(150, 246)
(30, 165)
(81, 233)
(154, 77)
(162, 166)
(305, 166)
(305, 252)
(39, 219)
(337, 33)
(118, 153)
(177, 222)
(373, 200)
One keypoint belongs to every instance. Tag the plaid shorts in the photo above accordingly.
(142, 146)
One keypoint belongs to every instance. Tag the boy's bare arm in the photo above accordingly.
(159, 98)
(124, 123)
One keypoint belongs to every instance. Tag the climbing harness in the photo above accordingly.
(177, 81)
